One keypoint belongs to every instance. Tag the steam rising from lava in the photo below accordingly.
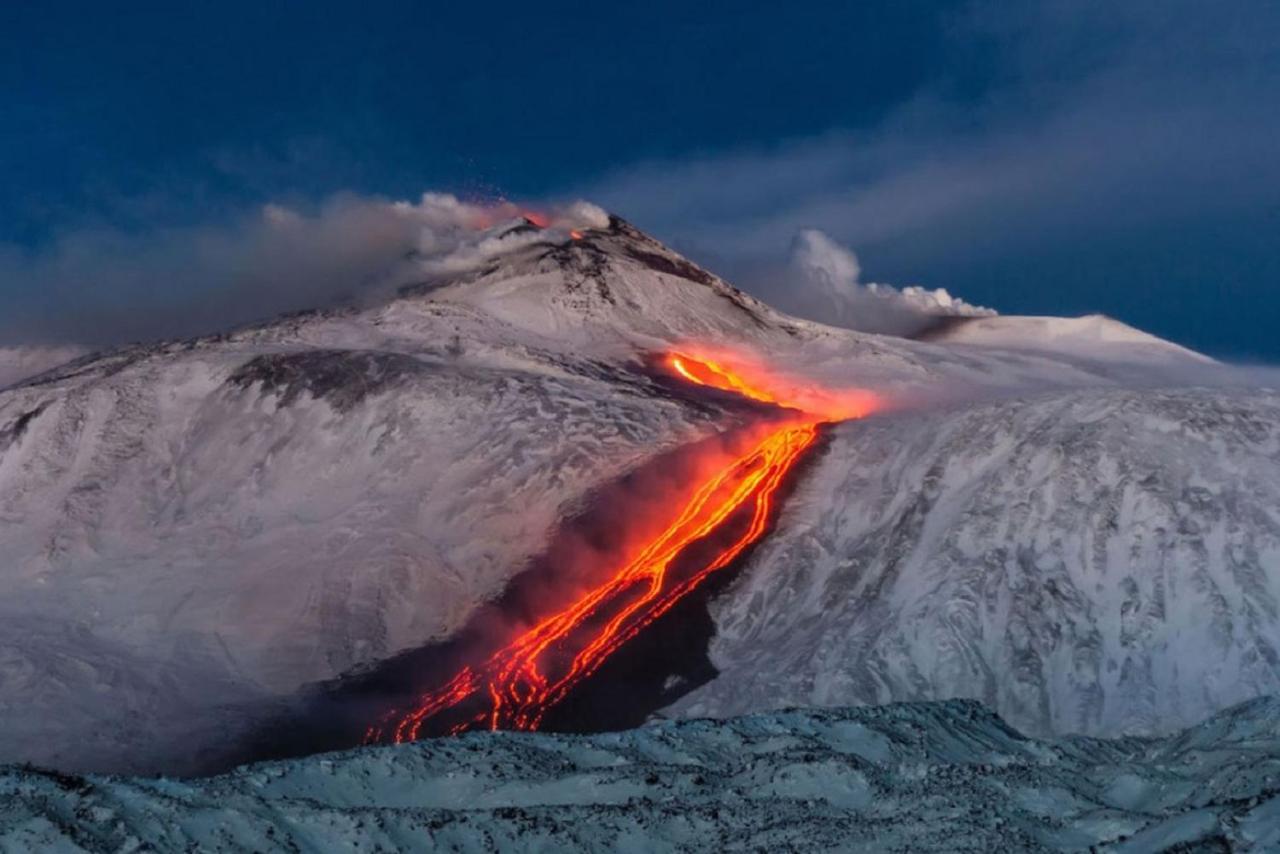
(722, 514)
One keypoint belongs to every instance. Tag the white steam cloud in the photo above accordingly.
(99, 287)
(828, 275)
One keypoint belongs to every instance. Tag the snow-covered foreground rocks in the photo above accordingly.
(1102, 562)
(946, 776)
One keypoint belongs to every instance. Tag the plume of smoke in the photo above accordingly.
(827, 276)
(96, 287)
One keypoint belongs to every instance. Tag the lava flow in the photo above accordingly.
(724, 515)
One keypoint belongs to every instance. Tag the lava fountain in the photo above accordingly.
(722, 516)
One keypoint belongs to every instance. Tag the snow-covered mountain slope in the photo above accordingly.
(910, 777)
(1096, 561)
(236, 516)
(1093, 336)
(193, 530)
(19, 363)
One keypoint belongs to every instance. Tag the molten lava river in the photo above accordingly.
(717, 521)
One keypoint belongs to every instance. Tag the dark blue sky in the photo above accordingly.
(1062, 157)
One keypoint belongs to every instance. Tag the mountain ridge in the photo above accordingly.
(221, 521)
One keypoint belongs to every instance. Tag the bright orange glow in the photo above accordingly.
(730, 372)
(541, 220)
(575, 234)
(514, 687)
(709, 373)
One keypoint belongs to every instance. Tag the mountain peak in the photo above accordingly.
(608, 280)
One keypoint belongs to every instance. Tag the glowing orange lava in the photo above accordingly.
(724, 515)
(709, 373)
(729, 371)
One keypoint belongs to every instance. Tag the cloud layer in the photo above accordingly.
(1060, 125)
(1055, 129)
(98, 287)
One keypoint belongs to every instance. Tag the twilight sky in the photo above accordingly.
(1053, 157)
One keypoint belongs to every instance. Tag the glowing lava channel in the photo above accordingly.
(516, 686)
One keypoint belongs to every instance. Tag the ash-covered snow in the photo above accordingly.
(193, 531)
(1100, 562)
(947, 776)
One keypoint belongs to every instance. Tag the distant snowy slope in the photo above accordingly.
(1092, 336)
(1101, 561)
(911, 777)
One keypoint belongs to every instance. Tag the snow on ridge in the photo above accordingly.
(1091, 335)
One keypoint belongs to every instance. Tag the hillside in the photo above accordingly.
(195, 531)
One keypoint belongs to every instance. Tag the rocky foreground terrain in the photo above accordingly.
(947, 776)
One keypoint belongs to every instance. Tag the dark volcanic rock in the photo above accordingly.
(341, 377)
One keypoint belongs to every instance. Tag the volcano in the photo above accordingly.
(195, 532)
